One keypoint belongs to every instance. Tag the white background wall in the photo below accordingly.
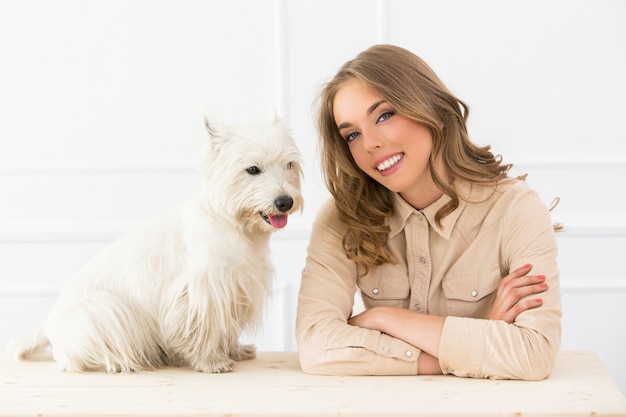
(101, 106)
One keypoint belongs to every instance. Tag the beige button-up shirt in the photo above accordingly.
(450, 271)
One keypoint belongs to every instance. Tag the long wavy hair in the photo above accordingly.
(413, 89)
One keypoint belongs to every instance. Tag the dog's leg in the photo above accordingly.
(243, 352)
(200, 332)
(105, 332)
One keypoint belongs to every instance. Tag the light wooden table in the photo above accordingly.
(274, 385)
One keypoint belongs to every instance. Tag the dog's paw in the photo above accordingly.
(217, 366)
(243, 352)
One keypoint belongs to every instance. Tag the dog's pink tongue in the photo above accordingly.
(279, 221)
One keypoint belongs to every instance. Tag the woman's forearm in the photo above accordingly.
(421, 330)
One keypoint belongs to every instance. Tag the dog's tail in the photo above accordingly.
(21, 348)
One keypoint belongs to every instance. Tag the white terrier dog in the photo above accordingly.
(181, 291)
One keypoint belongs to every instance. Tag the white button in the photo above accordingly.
(417, 307)
(386, 349)
(420, 217)
(375, 290)
(422, 260)
(474, 293)
(408, 353)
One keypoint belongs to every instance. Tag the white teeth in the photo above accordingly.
(389, 162)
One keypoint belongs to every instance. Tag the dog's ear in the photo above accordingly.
(211, 128)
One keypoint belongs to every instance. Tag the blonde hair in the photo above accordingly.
(413, 89)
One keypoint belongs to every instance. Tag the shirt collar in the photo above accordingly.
(403, 210)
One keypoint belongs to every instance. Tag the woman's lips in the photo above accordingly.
(389, 162)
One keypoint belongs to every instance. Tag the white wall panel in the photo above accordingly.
(127, 80)
(593, 320)
(592, 259)
(32, 266)
(22, 313)
(587, 190)
(540, 77)
(80, 195)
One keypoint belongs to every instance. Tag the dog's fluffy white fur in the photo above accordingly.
(182, 290)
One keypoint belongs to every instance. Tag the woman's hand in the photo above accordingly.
(512, 289)
(368, 319)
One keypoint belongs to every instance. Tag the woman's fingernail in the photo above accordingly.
(541, 277)
(543, 285)
(526, 266)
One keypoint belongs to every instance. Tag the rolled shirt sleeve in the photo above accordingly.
(527, 348)
(327, 344)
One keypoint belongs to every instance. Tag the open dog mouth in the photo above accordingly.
(277, 221)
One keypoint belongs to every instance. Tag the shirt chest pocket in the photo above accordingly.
(471, 294)
(385, 287)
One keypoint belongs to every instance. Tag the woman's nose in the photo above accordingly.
(371, 140)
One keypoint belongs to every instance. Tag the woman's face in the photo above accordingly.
(392, 149)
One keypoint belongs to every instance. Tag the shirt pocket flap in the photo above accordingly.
(386, 286)
(472, 286)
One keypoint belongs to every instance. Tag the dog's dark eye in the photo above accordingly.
(253, 170)
(289, 165)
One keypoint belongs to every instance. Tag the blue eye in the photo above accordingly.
(386, 115)
(351, 136)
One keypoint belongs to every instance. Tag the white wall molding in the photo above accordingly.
(593, 162)
(595, 285)
(297, 229)
(382, 21)
(592, 231)
(66, 231)
(18, 289)
(102, 231)
(111, 167)
(41, 291)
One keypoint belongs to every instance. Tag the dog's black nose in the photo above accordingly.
(283, 203)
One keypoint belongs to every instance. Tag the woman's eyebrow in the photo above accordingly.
(373, 107)
(370, 110)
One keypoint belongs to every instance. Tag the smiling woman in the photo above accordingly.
(383, 141)
(430, 228)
